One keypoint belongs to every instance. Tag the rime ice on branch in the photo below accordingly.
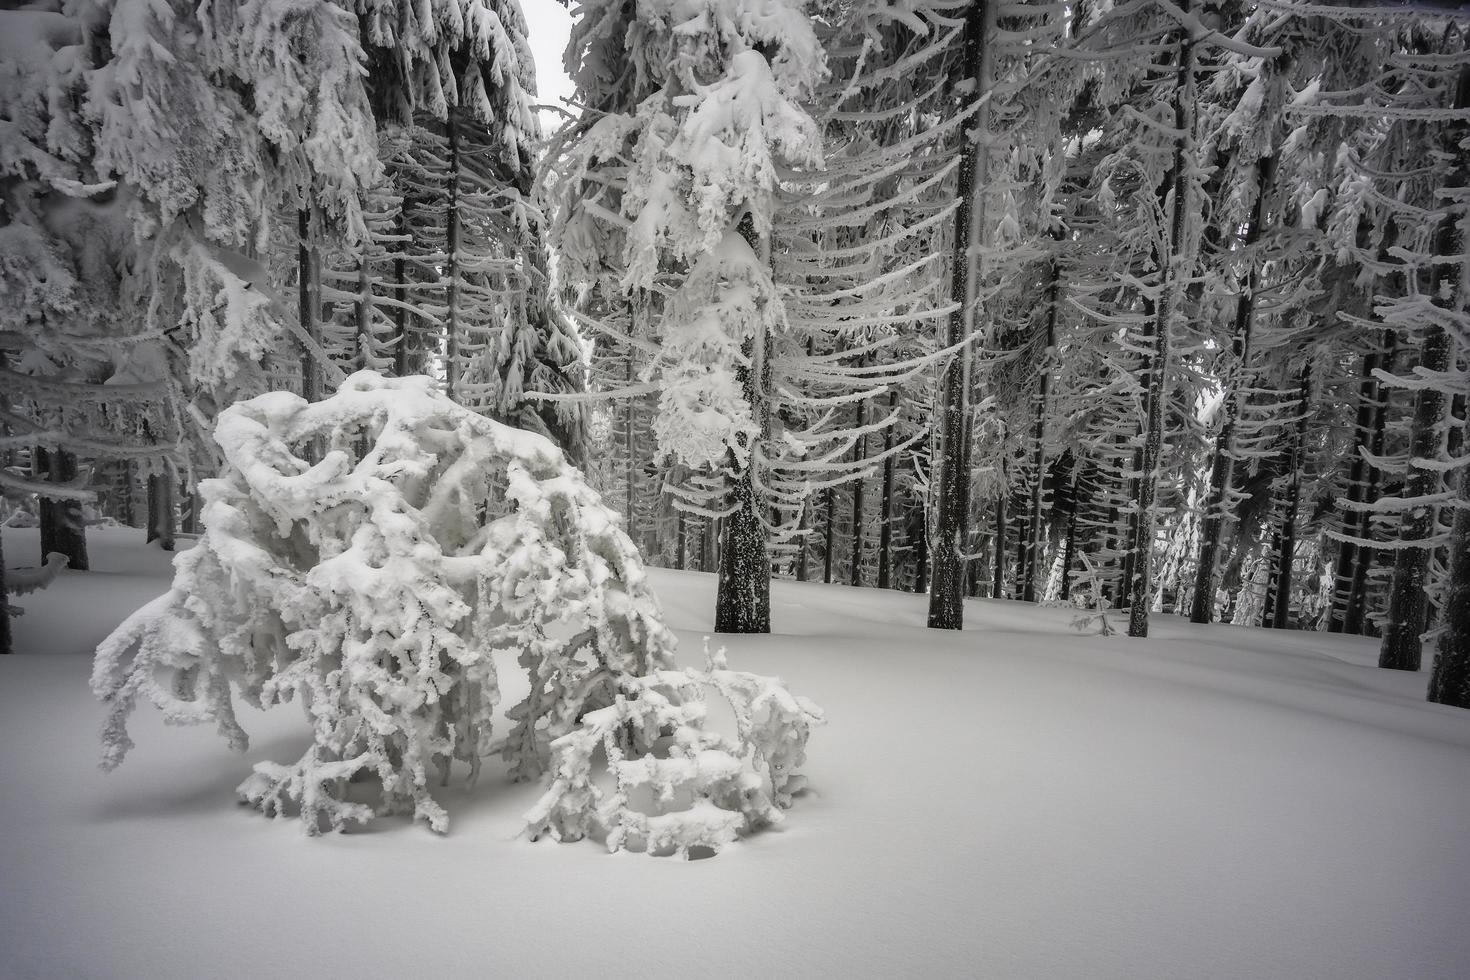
(378, 583)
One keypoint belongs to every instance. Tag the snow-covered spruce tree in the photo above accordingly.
(453, 87)
(80, 375)
(378, 585)
(715, 107)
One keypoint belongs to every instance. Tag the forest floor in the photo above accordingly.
(1016, 800)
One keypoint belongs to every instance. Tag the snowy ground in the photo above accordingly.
(1013, 801)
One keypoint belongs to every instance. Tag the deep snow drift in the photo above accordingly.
(1013, 801)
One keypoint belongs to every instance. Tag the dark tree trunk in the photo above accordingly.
(452, 219)
(1130, 535)
(1023, 555)
(307, 306)
(1038, 429)
(7, 644)
(743, 592)
(1407, 601)
(161, 510)
(951, 535)
(1069, 555)
(403, 355)
(1449, 680)
(681, 539)
(803, 542)
(885, 514)
(743, 602)
(829, 538)
(1356, 620)
(859, 453)
(1222, 469)
(997, 584)
(920, 544)
(63, 523)
(1286, 550)
(1348, 555)
(1158, 368)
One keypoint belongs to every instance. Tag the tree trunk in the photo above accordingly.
(859, 453)
(629, 471)
(403, 361)
(1355, 622)
(946, 597)
(161, 510)
(1358, 474)
(1222, 469)
(1069, 551)
(829, 540)
(1171, 273)
(307, 306)
(363, 314)
(7, 644)
(63, 523)
(743, 595)
(1449, 680)
(1286, 553)
(451, 266)
(997, 584)
(1038, 429)
(1406, 599)
(885, 514)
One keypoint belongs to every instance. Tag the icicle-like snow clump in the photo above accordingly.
(378, 582)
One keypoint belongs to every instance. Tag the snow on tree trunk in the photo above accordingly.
(378, 585)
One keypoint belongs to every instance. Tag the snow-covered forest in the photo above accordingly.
(1105, 324)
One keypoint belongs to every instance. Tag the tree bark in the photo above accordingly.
(860, 453)
(7, 643)
(997, 584)
(946, 597)
(1286, 554)
(161, 510)
(1170, 274)
(1038, 428)
(743, 593)
(307, 306)
(1347, 552)
(451, 266)
(63, 522)
(1222, 469)
(885, 515)
(1407, 602)
(1449, 680)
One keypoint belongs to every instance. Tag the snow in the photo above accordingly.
(1015, 800)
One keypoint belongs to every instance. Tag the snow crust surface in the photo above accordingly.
(1011, 801)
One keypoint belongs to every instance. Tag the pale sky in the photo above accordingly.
(548, 25)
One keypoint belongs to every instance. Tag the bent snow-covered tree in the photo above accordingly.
(379, 583)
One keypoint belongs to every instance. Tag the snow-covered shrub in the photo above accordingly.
(718, 781)
(378, 583)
